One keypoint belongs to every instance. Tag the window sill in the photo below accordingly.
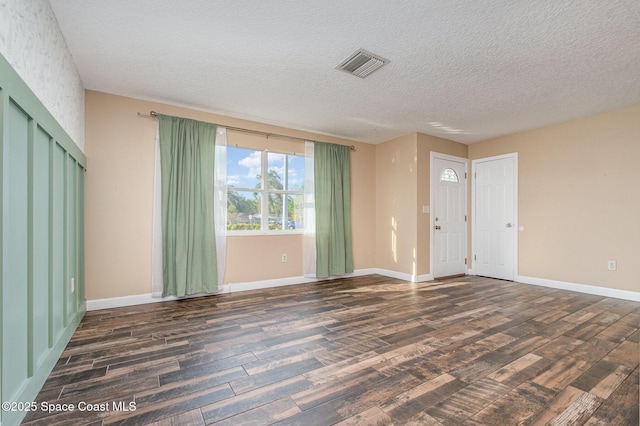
(263, 233)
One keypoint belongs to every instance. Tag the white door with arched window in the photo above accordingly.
(448, 215)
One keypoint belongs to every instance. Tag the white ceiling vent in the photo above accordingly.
(362, 63)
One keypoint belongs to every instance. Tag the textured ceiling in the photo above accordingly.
(463, 70)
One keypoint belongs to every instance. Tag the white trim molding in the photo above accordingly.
(281, 282)
(581, 288)
(120, 302)
(423, 278)
(403, 276)
(141, 299)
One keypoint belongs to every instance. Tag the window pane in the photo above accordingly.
(243, 168)
(286, 209)
(250, 191)
(277, 170)
(295, 173)
(448, 175)
(285, 172)
(295, 209)
(275, 211)
(243, 211)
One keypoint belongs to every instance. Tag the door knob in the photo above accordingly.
(509, 225)
(436, 227)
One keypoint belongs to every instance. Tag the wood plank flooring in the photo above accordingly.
(360, 351)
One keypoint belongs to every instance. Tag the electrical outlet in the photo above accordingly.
(73, 285)
(612, 265)
(284, 257)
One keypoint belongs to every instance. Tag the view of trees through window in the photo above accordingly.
(263, 181)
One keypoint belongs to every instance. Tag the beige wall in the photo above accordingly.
(579, 198)
(403, 169)
(396, 204)
(120, 147)
(118, 197)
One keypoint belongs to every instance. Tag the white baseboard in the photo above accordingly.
(581, 288)
(280, 282)
(424, 277)
(403, 276)
(141, 299)
(119, 302)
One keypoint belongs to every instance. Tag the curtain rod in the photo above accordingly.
(153, 114)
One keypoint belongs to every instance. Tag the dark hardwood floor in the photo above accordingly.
(360, 351)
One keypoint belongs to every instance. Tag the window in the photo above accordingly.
(266, 191)
(449, 175)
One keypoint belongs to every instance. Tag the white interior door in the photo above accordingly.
(495, 216)
(449, 213)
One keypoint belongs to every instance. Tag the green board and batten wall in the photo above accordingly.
(42, 233)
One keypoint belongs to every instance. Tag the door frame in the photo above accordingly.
(432, 183)
(514, 156)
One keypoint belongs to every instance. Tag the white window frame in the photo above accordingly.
(264, 192)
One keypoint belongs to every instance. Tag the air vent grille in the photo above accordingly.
(362, 63)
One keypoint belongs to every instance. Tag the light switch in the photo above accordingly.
(425, 209)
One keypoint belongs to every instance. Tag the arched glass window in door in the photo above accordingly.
(449, 175)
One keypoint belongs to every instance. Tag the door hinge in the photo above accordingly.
(465, 260)
(465, 217)
(474, 257)
(465, 175)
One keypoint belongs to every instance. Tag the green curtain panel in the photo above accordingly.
(187, 158)
(332, 174)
